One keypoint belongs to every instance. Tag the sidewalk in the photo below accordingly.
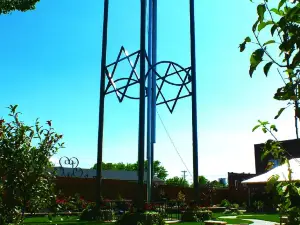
(255, 222)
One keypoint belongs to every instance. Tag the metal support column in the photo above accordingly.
(194, 100)
(141, 143)
(101, 105)
(154, 60)
(149, 106)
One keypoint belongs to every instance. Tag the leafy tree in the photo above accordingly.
(159, 170)
(281, 26)
(25, 175)
(277, 30)
(7, 6)
(177, 181)
(202, 180)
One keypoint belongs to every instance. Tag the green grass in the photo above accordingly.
(58, 220)
(72, 220)
(266, 217)
(229, 221)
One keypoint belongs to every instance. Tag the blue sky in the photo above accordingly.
(50, 67)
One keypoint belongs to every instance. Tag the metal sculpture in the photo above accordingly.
(157, 79)
(70, 163)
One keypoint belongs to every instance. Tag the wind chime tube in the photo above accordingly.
(141, 138)
(101, 106)
(194, 99)
(154, 60)
(149, 106)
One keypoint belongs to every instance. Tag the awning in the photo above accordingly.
(281, 171)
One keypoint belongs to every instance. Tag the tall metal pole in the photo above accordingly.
(154, 60)
(141, 146)
(194, 100)
(149, 106)
(101, 105)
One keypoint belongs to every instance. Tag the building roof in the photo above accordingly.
(106, 174)
(280, 171)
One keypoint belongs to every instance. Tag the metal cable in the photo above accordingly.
(173, 144)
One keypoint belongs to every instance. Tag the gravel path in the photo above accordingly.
(255, 222)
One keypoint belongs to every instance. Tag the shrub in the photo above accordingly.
(258, 205)
(235, 206)
(143, 218)
(233, 211)
(25, 176)
(244, 205)
(181, 196)
(92, 213)
(195, 215)
(225, 203)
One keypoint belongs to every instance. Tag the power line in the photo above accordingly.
(174, 144)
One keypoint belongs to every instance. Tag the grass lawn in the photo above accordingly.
(58, 220)
(266, 217)
(229, 221)
(74, 219)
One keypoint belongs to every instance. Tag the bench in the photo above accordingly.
(284, 219)
(214, 222)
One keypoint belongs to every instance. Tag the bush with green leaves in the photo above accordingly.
(225, 203)
(141, 218)
(26, 180)
(93, 213)
(258, 205)
(196, 215)
(233, 211)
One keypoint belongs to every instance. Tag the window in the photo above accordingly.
(275, 163)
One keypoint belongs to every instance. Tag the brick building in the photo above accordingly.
(291, 146)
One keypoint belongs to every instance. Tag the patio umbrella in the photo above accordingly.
(281, 171)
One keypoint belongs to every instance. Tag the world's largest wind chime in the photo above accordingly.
(151, 80)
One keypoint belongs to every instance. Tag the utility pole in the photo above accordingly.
(184, 172)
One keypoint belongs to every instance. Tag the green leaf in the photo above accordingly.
(254, 128)
(269, 42)
(261, 9)
(278, 12)
(255, 60)
(243, 44)
(273, 127)
(255, 26)
(281, 4)
(279, 113)
(264, 130)
(273, 29)
(267, 68)
(262, 25)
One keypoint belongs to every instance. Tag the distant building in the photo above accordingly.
(235, 179)
(291, 146)
(130, 176)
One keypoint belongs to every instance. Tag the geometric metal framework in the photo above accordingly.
(158, 76)
(171, 70)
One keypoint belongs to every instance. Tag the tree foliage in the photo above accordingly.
(276, 33)
(7, 6)
(25, 176)
(202, 180)
(286, 194)
(177, 181)
(159, 170)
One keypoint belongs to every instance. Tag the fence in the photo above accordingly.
(117, 189)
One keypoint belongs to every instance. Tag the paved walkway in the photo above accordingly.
(255, 222)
